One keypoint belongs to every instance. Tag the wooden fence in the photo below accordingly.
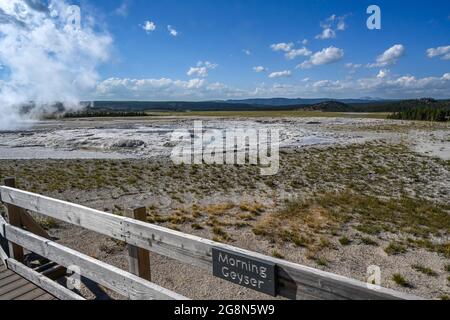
(293, 281)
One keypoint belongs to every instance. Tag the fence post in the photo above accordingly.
(138, 258)
(13, 214)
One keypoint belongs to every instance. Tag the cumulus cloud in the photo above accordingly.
(389, 87)
(200, 89)
(282, 46)
(149, 26)
(165, 89)
(247, 52)
(173, 32)
(280, 74)
(383, 73)
(330, 27)
(259, 69)
(389, 57)
(442, 52)
(294, 53)
(290, 52)
(327, 33)
(325, 56)
(305, 42)
(49, 56)
(202, 68)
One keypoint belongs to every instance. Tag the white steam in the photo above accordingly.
(48, 55)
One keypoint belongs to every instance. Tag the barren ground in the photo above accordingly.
(350, 193)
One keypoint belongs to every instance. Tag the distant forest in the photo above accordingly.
(311, 104)
(425, 109)
(426, 114)
(90, 113)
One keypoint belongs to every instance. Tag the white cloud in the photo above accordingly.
(202, 68)
(259, 69)
(149, 26)
(389, 57)
(173, 32)
(290, 52)
(399, 87)
(327, 33)
(294, 53)
(325, 56)
(305, 42)
(353, 65)
(282, 46)
(341, 26)
(331, 25)
(198, 71)
(48, 60)
(280, 74)
(200, 89)
(165, 89)
(383, 73)
(123, 9)
(247, 52)
(442, 52)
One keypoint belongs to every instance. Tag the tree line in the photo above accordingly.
(423, 114)
(104, 114)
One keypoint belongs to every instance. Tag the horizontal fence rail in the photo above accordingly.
(111, 277)
(294, 281)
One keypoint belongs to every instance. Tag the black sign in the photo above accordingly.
(245, 271)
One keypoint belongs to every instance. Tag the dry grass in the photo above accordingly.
(303, 221)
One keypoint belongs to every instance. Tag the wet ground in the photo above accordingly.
(138, 138)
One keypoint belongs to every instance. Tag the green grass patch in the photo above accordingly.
(345, 241)
(395, 248)
(425, 270)
(401, 281)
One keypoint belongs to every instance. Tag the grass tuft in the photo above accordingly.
(345, 241)
(401, 281)
(395, 248)
(425, 270)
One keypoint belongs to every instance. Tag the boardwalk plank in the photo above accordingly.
(33, 294)
(19, 291)
(13, 277)
(46, 296)
(6, 274)
(12, 286)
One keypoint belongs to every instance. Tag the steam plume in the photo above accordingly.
(48, 55)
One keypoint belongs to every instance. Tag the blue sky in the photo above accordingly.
(255, 48)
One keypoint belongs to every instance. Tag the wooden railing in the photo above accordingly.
(293, 281)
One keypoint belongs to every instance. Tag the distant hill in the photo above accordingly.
(299, 101)
(385, 106)
(326, 105)
(329, 106)
(183, 106)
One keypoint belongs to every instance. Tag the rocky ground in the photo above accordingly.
(349, 194)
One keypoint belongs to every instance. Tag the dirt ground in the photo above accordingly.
(376, 192)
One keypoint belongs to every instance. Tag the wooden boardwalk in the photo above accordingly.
(14, 287)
